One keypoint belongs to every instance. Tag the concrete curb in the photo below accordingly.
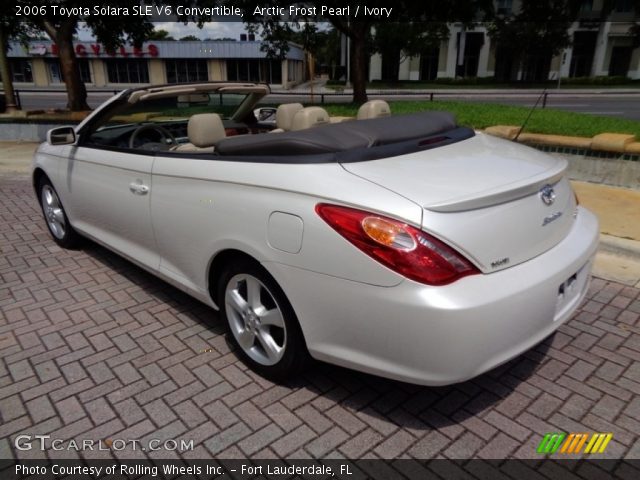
(618, 260)
(603, 142)
(623, 247)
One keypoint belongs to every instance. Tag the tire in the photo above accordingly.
(262, 324)
(55, 217)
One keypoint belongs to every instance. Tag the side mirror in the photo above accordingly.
(265, 114)
(61, 136)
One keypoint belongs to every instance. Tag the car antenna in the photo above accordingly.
(544, 92)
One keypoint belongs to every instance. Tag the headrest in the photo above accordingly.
(285, 114)
(310, 117)
(374, 109)
(205, 129)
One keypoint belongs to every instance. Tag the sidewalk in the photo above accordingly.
(617, 209)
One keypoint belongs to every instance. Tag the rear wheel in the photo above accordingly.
(263, 325)
(61, 230)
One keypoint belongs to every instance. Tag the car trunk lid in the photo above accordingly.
(483, 196)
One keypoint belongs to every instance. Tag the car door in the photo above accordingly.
(108, 196)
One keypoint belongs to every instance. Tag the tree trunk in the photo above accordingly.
(359, 62)
(76, 90)
(7, 79)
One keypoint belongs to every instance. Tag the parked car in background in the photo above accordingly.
(404, 246)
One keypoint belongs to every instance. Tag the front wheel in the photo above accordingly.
(57, 221)
(262, 323)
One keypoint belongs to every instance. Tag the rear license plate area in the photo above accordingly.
(570, 291)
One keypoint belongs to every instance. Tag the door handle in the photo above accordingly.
(138, 188)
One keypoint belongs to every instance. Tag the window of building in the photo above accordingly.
(429, 63)
(586, 6)
(584, 47)
(254, 70)
(620, 61)
(623, 6)
(21, 70)
(127, 71)
(55, 70)
(470, 46)
(504, 7)
(291, 71)
(183, 71)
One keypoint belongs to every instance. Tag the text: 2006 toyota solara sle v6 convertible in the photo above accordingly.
(401, 245)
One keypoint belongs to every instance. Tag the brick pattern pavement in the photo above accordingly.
(92, 347)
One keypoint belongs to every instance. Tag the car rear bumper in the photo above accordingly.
(442, 335)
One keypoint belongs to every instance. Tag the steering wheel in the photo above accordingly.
(166, 134)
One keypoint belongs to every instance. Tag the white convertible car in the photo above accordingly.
(404, 246)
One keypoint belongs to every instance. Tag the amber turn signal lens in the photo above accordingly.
(388, 233)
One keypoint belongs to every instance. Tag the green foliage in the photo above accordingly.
(534, 33)
(410, 37)
(12, 28)
(482, 115)
(160, 35)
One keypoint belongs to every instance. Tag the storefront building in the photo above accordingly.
(156, 63)
(598, 48)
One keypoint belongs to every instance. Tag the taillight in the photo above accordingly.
(401, 247)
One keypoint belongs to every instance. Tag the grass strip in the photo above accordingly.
(482, 115)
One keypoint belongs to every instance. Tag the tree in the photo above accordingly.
(531, 36)
(277, 29)
(110, 29)
(396, 42)
(360, 30)
(159, 35)
(10, 27)
(189, 38)
(328, 52)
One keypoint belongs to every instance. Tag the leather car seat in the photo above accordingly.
(284, 116)
(310, 117)
(374, 109)
(204, 131)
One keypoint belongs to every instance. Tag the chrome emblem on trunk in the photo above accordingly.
(550, 218)
(547, 195)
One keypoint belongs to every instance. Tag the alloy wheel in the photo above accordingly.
(255, 318)
(53, 212)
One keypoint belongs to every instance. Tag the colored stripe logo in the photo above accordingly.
(574, 443)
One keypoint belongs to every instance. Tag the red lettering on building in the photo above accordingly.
(83, 50)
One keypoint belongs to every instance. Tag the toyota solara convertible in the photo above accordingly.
(405, 246)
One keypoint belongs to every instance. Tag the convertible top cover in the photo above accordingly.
(342, 137)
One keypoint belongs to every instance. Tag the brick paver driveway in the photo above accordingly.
(92, 347)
